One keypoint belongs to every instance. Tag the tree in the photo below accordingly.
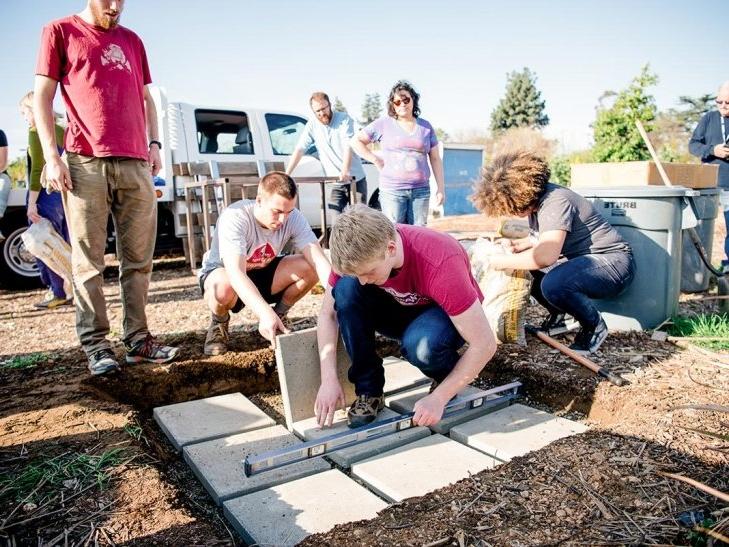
(442, 135)
(522, 104)
(695, 108)
(371, 108)
(616, 136)
(339, 105)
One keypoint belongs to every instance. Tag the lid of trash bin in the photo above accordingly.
(635, 191)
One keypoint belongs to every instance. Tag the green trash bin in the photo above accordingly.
(694, 273)
(651, 219)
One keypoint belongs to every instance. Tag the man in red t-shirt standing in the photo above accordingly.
(409, 283)
(112, 151)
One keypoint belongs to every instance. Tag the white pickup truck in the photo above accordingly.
(189, 133)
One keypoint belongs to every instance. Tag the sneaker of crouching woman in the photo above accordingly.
(595, 262)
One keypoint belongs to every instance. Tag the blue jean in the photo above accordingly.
(428, 339)
(724, 203)
(571, 286)
(406, 206)
(50, 206)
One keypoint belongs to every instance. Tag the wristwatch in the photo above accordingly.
(159, 144)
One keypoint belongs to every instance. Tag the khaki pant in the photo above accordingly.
(122, 187)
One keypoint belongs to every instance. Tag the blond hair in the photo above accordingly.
(27, 102)
(361, 234)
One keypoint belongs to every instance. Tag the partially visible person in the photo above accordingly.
(408, 143)
(4, 178)
(598, 262)
(405, 282)
(331, 132)
(710, 143)
(41, 204)
(244, 266)
(113, 151)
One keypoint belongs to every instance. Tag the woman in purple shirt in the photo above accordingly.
(407, 142)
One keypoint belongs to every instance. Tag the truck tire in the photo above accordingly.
(18, 269)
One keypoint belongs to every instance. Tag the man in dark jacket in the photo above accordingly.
(710, 142)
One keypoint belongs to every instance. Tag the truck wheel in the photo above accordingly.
(18, 268)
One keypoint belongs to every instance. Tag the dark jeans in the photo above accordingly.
(569, 287)
(339, 196)
(50, 206)
(428, 339)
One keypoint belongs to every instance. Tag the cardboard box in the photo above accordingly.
(642, 173)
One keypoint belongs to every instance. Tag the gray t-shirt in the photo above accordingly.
(239, 233)
(587, 230)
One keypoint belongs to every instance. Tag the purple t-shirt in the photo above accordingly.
(405, 154)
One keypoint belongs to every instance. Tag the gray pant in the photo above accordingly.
(122, 187)
(339, 196)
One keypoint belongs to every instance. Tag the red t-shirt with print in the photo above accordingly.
(102, 75)
(435, 269)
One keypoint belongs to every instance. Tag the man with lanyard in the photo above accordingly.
(331, 133)
(709, 142)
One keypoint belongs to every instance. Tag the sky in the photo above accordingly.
(457, 53)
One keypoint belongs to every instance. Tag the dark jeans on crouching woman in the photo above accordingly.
(571, 286)
(428, 339)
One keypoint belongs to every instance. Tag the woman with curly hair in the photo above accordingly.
(584, 256)
(408, 142)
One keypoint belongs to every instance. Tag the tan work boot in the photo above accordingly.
(216, 341)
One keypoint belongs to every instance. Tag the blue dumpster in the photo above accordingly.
(461, 169)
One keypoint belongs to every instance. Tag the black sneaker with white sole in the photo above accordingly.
(102, 362)
(557, 323)
(589, 340)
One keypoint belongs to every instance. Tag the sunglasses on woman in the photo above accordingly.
(398, 102)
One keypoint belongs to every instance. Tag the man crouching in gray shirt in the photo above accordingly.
(244, 268)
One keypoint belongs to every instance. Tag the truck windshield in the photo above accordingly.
(284, 130)
(223, 132)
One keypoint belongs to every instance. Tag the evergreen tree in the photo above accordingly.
(694, 109)
(339, 105)
(522, 104)
(616, 136)
(371, 108)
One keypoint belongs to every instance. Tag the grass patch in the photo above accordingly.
(703, 325)
(19, 362)
(44, 479)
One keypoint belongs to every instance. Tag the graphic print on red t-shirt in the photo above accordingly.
(407, 298)
(261, 256)
(114, 55)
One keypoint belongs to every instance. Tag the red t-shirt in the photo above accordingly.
(102, 75)
(435, 269)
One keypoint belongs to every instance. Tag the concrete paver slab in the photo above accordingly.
(420, 467)
(400, 374)
(297, 361)
(210, 418)
(405, 402)
(218, 464)
(514, 431)
(345, 457)
(287, 513)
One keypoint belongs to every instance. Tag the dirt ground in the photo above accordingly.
(600, 488)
